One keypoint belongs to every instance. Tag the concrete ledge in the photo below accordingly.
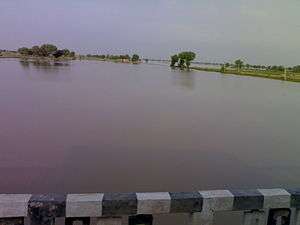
(84, 205)
(119, 204)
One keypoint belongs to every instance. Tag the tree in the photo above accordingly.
(135, 58)
(187, 57)
(296, 69)
(24, 51)
(181, 63)
(48, 49)
(66, 52)
(58, 53)
(35, 50)
(222, 70)
(72, 54)
(174, 60)
(239, 64)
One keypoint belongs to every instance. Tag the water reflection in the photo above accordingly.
(46, 70)
(184, 79)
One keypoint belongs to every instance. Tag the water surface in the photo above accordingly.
(98, 127)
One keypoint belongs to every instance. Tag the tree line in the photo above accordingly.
(133, 58)
(240, 64)
(46, 50)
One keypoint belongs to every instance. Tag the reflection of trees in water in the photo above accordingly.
(185, 79)
(45, 70)
(25, 64)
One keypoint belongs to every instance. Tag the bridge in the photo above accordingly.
(258, 206)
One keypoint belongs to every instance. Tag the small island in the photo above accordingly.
(50, 52)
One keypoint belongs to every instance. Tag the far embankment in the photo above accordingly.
(289, 76)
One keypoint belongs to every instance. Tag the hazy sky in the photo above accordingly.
(259, 31)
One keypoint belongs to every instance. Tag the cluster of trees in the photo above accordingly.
(134, 58)
(183, 59)
(296, 69)
(239, 64)
(46, 50)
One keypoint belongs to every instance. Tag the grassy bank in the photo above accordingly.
(277, 75)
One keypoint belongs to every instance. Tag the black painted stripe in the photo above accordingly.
(42, 209)
(10, 221)
(119, 204)
(186, 202)
(83, 220)
(247, 199)
(140, 219)
(295, 197)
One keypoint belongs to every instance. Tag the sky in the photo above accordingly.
(257, 31)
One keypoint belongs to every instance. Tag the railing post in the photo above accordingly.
(218, 200)
(13, 208)
(83, 207)
(12, 221)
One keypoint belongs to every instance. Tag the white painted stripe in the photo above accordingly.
(84, 205)
(153, 203)
(217, 200)
(276, 198)
(14, 205)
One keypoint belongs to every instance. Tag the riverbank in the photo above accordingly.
(15, 55)
(91, 58)
(276, 75)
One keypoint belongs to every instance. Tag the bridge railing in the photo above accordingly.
(259, 207)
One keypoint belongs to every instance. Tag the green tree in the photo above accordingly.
(72, 54)
(222, 70)
(66, 52)
(47, 49)
(174, 60)
(239, 64)
(296, 69)
(24, 51)
(187, 57)
(135, 58)
(58, 53)
(35, 50)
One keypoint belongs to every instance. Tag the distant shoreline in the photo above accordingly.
(63, 59)
(293, 77)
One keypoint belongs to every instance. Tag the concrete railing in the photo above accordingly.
(259, 207)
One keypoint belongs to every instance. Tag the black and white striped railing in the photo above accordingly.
(268, 206)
